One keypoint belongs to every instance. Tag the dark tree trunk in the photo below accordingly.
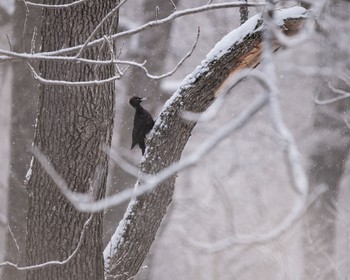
(24, 101)
(166, 145)
(74, 123)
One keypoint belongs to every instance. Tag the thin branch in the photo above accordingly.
(343, 95)
(331, 100)
(347, 123)
(47, 6)
(9, 42)
(37, 266)
(155, 77)
(14, 239)
(173, 4)
(69, 83)
(338, 90)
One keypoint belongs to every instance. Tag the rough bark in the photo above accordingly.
(22, 130)
(73, 126)
(169, 139)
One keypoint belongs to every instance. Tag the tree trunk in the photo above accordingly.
(74, 123)
(331, 147)
(170, 136)
(24, 102)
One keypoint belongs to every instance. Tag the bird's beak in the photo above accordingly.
(144, 98)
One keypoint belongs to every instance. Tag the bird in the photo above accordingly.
(143, 123)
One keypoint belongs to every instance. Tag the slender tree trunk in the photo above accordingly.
(73, 126)
(24, 102)
(331, 147)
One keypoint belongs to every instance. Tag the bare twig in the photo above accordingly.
(343, 94)
(9, 42)
(69, 83)
(46, 6)
(173, 4)
(14, 239)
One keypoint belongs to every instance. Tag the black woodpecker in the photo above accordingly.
(143, 123)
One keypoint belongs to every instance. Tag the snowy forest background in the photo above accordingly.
(226, 217)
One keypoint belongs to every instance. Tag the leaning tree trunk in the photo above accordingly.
(167, 142)
(74, 123)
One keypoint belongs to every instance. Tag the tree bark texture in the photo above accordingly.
(74, 123)
(167, 142)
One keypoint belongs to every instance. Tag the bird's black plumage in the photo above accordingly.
(143, 123)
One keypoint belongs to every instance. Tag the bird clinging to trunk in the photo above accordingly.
(143, 123)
